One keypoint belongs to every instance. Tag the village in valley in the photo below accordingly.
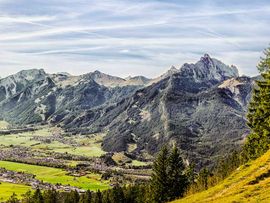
(73, 163)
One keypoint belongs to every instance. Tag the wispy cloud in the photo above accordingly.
(130, 37)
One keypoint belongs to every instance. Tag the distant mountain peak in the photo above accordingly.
(64, 73)
(208, 69)
(173, 68)
(97, 72)
(206, 56)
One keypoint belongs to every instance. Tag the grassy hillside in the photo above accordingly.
(7, 189)
(249, 183)
(54, 175)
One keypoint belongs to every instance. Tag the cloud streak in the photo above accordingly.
(130, 37)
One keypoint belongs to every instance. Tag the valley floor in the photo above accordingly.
(7, 189)
(249, 183)
(58, 176)
(46, 157)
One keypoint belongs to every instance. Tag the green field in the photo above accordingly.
(53, 175)
(139, 163)
(7, 189)
(249, 183)
(87, 146)
(3, 125)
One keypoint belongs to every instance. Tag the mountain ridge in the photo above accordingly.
(189, 107)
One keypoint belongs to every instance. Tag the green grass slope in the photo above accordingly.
(7, 189)
(249, 183)
(53, 175)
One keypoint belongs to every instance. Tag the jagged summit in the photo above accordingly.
(208, 69)
(206, 57)
(30, 74)
(105, 79)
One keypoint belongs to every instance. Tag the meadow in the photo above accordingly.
(53, 175)
(7, 189)
(89, 146)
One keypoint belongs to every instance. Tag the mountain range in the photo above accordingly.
(199, 107)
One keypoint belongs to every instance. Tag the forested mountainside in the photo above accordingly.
(201, 107)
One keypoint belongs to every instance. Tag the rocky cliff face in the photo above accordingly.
(200, 107)
(33, 96)
(208, 70)
(13, 84)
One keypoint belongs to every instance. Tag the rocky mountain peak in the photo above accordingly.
(13, 84)
(104, 79)
(206, 58)
(172, 70)
(31, 74)
(208, 69)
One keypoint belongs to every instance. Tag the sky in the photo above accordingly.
(130, 37)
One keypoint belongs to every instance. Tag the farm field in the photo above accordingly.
(138, 163)
(89, 146)
(52, 147)
(54, 176)
(7, 189)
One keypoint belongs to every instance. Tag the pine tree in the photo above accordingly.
(177, 180)
(106, 197)
(38, 198)
(203, 178)
(259, 113)
(72, 197)
(87, 197)
(50, 196)
(27, 197)
(117, 195)
(191, 174)
(159, 181)
(13, 199)
(97, 197)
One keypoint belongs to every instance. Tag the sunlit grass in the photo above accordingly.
(237, 187)
(54, 176)
(7, 189)
(87, 145)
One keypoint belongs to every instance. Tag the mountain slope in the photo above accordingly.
(200, 107)
(194, 107)
(249, 183)
(34, 96)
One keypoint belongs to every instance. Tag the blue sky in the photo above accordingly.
(130, 37)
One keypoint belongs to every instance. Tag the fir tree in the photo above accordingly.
(50, 196)
(72, 197)
(86, 198)
(159, 181)
(259, 113)
(38, 198)
(13, 199)
(27, 197)
(177, 180)
(203, 178)
(98, 197)
(117, 195)
(106, 197)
